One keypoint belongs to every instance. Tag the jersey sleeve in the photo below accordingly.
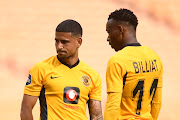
(160, 81)
(96, 90)
(112, 109)
(114, 77)
(157, 100)
(34, 83)
(156, 103)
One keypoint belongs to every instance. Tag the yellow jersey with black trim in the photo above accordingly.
(135, 71)
(63, 91)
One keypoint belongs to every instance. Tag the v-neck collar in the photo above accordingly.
(70, 66)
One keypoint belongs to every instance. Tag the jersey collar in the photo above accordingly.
(132, 44)
(70, 66)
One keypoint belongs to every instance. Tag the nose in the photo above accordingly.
(59, 45)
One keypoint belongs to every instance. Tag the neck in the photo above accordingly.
(69, 61)
(130, 38)
(69, 64)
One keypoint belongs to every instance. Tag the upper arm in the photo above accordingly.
(112, 109)
(95, 109)
(28, 101)
(95, 92)
(94, 103)
(34, 83)
(114, 77)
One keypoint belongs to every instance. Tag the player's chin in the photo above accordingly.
(113, 47)
(62, 55)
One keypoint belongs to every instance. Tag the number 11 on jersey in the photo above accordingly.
(140, 88)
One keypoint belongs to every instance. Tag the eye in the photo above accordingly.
(64, 41)
(56, 40)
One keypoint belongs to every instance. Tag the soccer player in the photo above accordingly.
(134, 73)
(63, 83)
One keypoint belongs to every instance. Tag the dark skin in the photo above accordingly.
(120, 33)
(67, 49)
(95, 109)
(67, 46)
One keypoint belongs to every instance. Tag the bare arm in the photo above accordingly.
(95, 109)
(28, 103)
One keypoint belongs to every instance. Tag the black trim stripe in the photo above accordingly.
(124, 80)
(132, 44)
(43, 104)
(70, 66)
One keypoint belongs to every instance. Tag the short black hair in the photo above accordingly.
(124, 15)
(70, 26)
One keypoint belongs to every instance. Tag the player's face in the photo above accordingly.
(114, 35)
(67, 45)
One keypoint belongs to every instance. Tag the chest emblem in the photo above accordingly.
(86, 80)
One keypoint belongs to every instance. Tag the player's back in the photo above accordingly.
(143, 75)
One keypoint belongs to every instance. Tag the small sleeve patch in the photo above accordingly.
(28, 80)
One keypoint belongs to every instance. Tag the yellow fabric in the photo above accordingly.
(144, 72)
(113, 106)
(156, 103)
(81, 77)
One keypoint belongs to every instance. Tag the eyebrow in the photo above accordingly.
(62, 39)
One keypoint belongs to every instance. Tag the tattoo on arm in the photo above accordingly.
(95, 110)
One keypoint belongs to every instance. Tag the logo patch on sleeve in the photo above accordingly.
(71, 95)
(28, 80)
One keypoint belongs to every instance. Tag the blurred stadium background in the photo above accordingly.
(27, 36)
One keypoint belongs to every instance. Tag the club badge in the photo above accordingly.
(86, 80)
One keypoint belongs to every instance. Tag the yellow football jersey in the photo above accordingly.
(136, 72)
(63, 90)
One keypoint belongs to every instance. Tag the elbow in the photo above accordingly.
(25, 113)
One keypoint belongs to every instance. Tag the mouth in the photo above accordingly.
(61, 52)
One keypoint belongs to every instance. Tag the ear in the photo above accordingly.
(79, 41)
(121, 28)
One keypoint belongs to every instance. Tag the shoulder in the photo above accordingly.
(87, 69)
(117, 58)
(85, 66)
(149, 50)
(43, 64)
(91, 74)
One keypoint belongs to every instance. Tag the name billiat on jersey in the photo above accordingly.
(145, 66)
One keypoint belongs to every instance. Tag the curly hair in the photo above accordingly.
(124, 15)
(70, 26)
